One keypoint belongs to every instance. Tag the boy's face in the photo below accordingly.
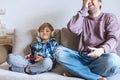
(45, 34)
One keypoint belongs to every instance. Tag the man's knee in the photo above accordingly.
(58, 49)
(112, 60)
(111, 64)
(59, 52)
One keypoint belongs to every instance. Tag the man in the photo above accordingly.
(96, 57)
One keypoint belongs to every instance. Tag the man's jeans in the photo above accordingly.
(81, 65)
(20, 62)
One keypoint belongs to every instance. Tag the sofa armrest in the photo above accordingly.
(3, 54)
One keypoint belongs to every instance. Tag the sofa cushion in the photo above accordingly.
(33, 33)
(57, 35)
(68, 39)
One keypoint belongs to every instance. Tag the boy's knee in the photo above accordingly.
(10, 58)
(17, 60)
(48, 63)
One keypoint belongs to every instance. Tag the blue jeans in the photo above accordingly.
(81, 65)
(19, 62)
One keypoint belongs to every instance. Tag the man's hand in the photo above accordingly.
(97, 52)
(86, 2)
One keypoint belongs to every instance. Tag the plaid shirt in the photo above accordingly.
(45, 49)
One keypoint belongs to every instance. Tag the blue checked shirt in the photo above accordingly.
(45, 49)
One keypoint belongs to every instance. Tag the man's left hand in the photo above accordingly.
(96, 52)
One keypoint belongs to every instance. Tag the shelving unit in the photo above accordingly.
(7, 38)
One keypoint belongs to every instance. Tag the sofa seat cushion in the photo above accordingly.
(5, 74)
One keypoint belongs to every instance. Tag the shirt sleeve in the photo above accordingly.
(76, 22)
(54, 45)
(113, 33)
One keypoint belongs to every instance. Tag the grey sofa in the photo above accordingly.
(64, 38)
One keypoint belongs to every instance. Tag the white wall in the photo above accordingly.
(24, 15)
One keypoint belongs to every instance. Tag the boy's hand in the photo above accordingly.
(27, 56)
(38, 58)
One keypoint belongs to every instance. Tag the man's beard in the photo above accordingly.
(92, 11)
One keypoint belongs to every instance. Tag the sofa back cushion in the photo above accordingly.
(64, 38)
(69, 40)
(57, 35)
(33, 33)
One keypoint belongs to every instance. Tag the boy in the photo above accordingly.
(41, 59)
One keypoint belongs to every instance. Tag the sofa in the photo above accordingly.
(65, 38)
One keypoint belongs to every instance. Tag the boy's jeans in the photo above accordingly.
(79, 64)
(20, 62)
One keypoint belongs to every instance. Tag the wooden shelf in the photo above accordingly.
(8, 39)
